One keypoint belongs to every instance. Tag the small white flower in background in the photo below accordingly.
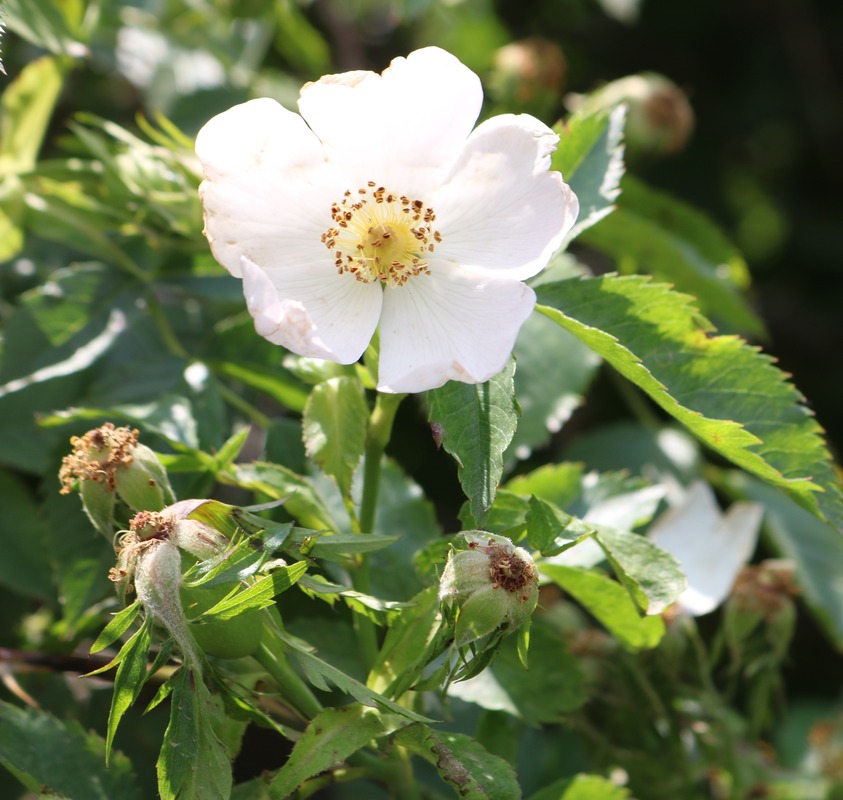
(380, 207)
(710, 546)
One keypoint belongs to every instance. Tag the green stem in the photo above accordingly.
(174, 346)
(271, 656)
(377, 438)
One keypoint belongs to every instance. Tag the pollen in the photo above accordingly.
(378, 235)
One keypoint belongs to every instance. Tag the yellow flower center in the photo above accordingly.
(381, 236)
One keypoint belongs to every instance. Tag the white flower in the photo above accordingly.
(711, 547)
(379, 206)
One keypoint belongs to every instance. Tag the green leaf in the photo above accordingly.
(477, 423)
(60, 758)
(280, 483)
(260, 594)
(590, 158)
(582, 787)
(332, 736)
(555, 684)
(336, 418)
(411, 643)
(323, 676)
(655, 233)
(25, 110)
(25, 563)
(193, 762)
(273, 381)
(724, 391)
(12, 208)
(335, 546)
(651, 575)
(815, 549)
(48, 23)
(545, 522)
(553, 373)
(131, 676)
(610, 603)
(464, 764)
(119, 624)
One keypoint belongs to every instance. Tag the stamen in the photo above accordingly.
(384, 240)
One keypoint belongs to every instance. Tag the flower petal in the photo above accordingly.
(268, 190)
(501, 208)
(401, 128)
(711, 548)
(311, 310)
(449, 325)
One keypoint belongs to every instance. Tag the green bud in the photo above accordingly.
(492, 586)
(659, 117)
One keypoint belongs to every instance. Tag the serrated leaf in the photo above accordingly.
(334, 546)
(332, 736)
(130, 678)
(463, 763)
(193, 762)
(477, 423)
(260, 594)
(653, 233)
(590, 158)
(60, 758)
(652, 576)
(725, 392)
(336, 418)
(610, 603)
(119, 624)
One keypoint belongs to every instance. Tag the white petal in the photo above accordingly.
(501, 209)
(711, 549)
(311, 310)
(268, 190)
(402, 128)
(449, 325)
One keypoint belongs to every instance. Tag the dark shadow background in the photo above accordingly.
(765, 78)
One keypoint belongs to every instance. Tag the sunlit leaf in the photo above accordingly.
(610, 603)
(725, 392)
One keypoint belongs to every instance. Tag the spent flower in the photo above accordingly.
(379, 208)
(109, 461)
(492, 584)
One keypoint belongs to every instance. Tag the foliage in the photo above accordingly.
(316, 516)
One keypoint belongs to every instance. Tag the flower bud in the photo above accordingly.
(108, 461)
(659, 117)
(492, 585)
(158, 582)
(529, 76)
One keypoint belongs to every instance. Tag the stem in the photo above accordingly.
(377, 438)
(270, 655)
